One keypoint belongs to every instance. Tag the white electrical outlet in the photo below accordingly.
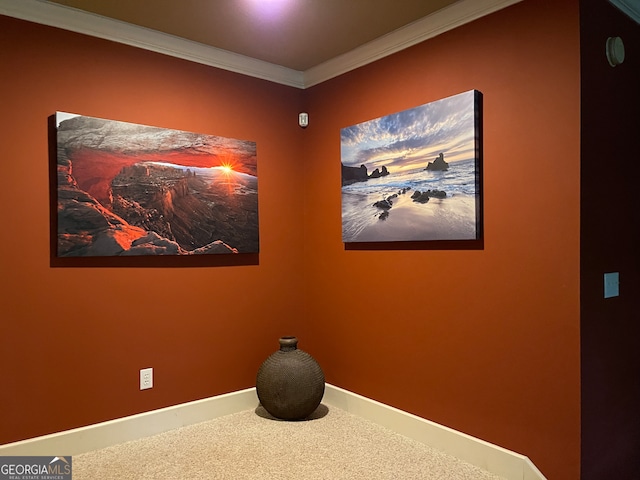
(146, 378)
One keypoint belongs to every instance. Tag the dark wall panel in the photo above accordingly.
(610, 241)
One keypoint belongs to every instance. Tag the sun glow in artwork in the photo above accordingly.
(414, 175)
(126, 189)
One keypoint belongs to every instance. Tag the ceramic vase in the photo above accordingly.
(290, 383)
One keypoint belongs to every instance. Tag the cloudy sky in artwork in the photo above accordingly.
(409, 139)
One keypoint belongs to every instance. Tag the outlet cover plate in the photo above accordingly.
(146, 378)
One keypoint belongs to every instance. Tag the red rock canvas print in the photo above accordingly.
(128, 189)
(414, 175)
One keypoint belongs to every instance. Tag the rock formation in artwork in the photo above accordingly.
(384, 204)
(86, 228)
(353, 174)
(438, 164)
(377, 173)
(120, 192)
(423, 197)
(360, 174)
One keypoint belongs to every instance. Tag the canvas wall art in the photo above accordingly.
(414, 175)
(128, 189)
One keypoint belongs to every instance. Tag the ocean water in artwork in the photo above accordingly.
(455, 214)
(414, 175)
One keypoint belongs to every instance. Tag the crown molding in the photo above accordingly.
(66, 18)
(631, 8)
(439, 22)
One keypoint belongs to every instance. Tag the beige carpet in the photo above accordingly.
(332, 445)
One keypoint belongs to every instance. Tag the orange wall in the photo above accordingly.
(74, 339)
(484, 341)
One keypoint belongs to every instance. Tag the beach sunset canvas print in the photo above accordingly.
(128, 189)
(414, 175)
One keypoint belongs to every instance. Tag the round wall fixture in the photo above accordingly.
(615, 51)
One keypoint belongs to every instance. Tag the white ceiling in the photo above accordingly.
(294, 42)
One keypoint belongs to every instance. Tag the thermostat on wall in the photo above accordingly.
(303, 119)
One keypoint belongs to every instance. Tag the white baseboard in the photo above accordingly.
(489, 457)
(106, 434)
(497, 460)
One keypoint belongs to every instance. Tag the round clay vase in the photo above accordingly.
(290, 383)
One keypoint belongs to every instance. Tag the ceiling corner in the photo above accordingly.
(67, 18)
(631, 8)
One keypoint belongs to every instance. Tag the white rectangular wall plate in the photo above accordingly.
(146, 378)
